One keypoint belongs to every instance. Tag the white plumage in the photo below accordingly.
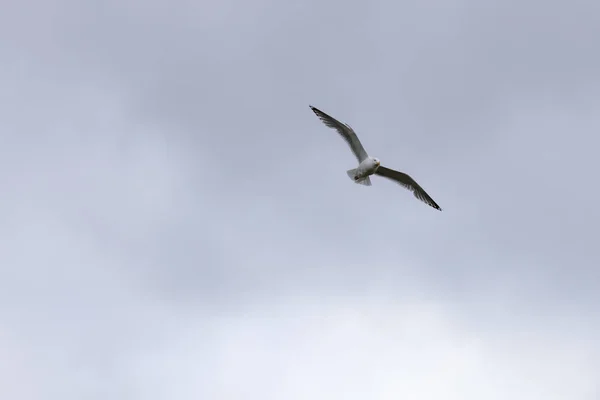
(367, 165)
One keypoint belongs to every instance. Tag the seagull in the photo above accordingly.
(367, 165)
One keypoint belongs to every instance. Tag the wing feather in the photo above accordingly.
(345, 131)
(408, 183)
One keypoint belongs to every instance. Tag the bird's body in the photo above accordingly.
(367, 165)
(365, 169)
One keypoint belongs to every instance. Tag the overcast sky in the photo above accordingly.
(176, 223)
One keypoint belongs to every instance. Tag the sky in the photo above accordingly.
(177, 224)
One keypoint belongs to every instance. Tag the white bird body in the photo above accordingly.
(365, 169)
(367, 165)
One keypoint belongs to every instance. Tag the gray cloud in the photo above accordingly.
(177, 223)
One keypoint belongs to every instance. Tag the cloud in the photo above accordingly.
(341, 349)
(175, 222)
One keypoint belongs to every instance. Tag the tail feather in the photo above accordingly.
(363, 181)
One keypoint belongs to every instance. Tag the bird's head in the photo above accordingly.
(376, 161)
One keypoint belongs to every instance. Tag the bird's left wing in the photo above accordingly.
(345, 131)
(409, 183)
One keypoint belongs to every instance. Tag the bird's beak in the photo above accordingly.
(378, 163)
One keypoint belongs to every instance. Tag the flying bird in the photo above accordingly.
(367, 165)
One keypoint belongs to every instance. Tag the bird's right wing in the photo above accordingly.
(345, 131)
(409, 183)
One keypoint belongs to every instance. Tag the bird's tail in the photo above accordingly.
(362, 181)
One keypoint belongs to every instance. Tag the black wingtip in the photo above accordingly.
(315, 110)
